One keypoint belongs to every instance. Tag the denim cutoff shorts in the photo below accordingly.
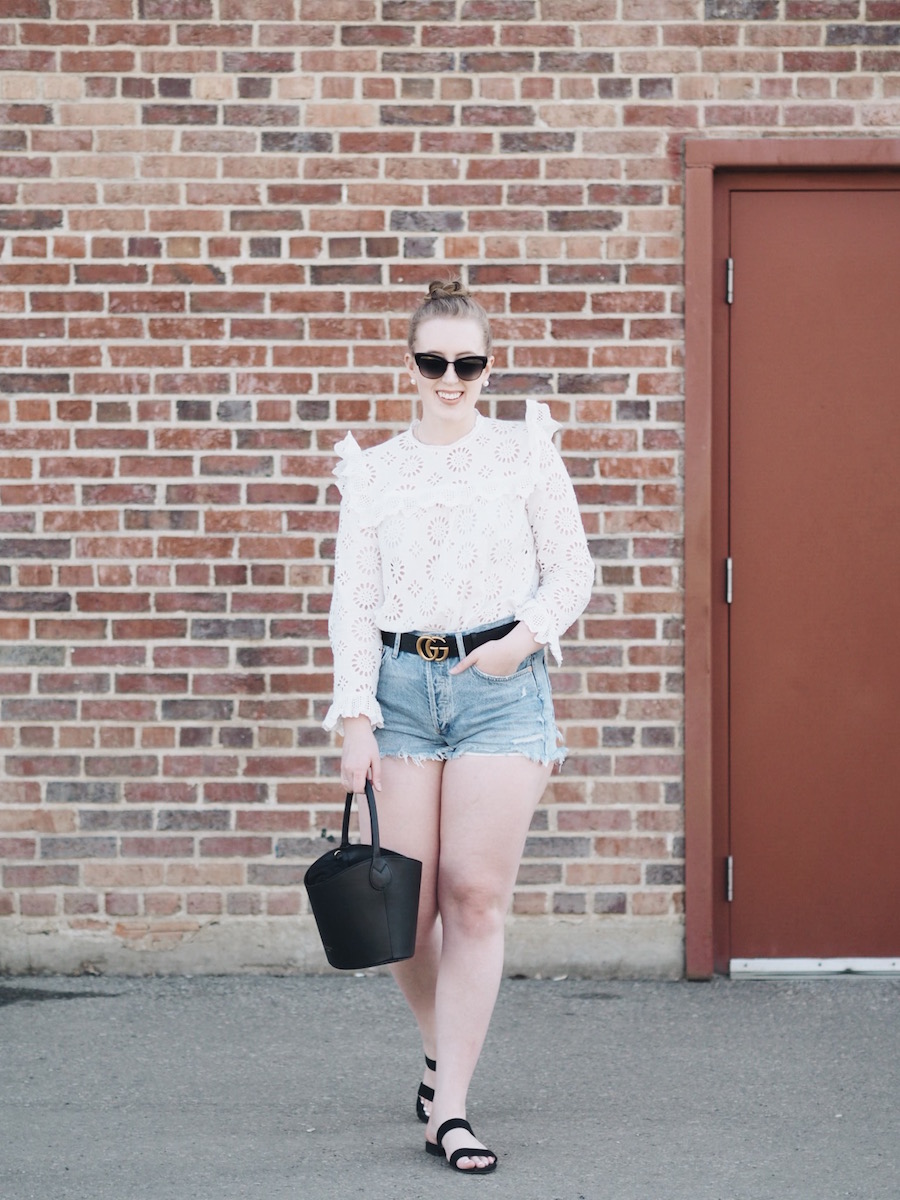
(431, 714)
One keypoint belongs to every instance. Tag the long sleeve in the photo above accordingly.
(357, 595)
(564, 561)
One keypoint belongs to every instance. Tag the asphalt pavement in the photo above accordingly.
(303, 1088)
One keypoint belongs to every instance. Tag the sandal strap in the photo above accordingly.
(430, 1063)
(454, 1123)
(465, 1152)
(472, 1153)
(426, 1092)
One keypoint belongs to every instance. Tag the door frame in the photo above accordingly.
(706, 910)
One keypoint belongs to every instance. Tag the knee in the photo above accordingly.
(473, 908)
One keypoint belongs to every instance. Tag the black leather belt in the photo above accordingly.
(437, 647)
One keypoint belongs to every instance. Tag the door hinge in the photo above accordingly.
(729, 281)
(729, 878)
(729, 580)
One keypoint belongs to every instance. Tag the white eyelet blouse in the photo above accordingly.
(446, 538)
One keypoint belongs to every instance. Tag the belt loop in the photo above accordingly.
(395, 645)
(460, 645)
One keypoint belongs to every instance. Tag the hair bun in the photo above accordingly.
(449, 298)
(440, 289)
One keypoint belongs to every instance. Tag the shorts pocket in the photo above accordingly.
(526, 667)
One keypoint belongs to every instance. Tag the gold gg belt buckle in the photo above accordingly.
(434, 648)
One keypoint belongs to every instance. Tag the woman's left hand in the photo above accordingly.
(503, 656)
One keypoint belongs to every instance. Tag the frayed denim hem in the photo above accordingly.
(418, 760)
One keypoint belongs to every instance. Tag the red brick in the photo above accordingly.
(38, 905)
(283, 820)
(235, 847)
(169, 684)
(649, 764)
(17, 848)
(41, 61)
(144, 34)
(157, 847)
(822, 62)
(90, 62)
(680, 117)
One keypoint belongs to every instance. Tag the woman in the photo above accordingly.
(460, 557)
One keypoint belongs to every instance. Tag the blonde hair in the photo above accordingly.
(449, 299)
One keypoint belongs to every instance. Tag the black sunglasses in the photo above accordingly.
(467, 368)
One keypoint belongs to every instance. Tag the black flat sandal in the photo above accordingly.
(425, 1092)
(437, 1148)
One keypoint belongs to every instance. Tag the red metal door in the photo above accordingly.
(814, 539)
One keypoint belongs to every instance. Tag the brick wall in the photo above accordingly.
(215, 216)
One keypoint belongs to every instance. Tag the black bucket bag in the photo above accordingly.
(365, 899)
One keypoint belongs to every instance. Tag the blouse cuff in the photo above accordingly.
(354, 706)
(536, 617)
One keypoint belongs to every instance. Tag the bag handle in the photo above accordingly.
(379, 870)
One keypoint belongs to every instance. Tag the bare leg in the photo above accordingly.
(409, 822)
(486, 808)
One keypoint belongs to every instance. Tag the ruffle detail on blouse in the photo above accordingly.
(539, 422)
(349, 452)
(533, 614)
(497, 459)
(352, 706)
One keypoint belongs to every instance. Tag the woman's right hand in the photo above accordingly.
(360, 759)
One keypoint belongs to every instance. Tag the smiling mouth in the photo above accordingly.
(450, 395)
